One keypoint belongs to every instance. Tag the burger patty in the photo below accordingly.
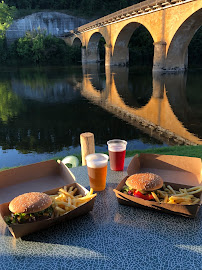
(20, 218)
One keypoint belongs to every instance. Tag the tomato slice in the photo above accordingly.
(138, 194)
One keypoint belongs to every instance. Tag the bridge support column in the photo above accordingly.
(120, 56)
(92, 54)
(159, 56)
(83, 55)
(158, 86)
(108, 55)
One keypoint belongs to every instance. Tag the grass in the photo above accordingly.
(191, 151)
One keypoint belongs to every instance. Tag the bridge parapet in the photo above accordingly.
(139, 9)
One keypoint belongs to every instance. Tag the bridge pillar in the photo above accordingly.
(120, 56)
(159, 56)
(158, 85)
(108, 55)
(92, 54)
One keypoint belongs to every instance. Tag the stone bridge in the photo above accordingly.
(171, 23)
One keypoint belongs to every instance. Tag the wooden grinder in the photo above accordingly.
(87, 145)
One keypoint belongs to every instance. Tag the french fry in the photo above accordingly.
(59, 209)
(70, 189)
(62, 203)
(78, 196)
(165, 198)
(65, 201)
(155, 196)
(90, 192)
(171, 189)
(86, 198)
(196, 201)
(161, 194)
(74, 191)
(66, 193)
(72, 207)
(194, 191)
(182, 196)
(69, 201)
(198, 188)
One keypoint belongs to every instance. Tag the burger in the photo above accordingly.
(142, 184)
(30, 207)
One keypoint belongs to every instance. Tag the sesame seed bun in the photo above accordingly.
(144, 181)
(30, 203)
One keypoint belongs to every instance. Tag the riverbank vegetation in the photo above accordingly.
(37, 47)
(6, 17)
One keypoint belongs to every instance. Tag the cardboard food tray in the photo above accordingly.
(177, 171)
(46, 177)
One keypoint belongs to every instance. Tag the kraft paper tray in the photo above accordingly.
(177, 171)
(46, 177)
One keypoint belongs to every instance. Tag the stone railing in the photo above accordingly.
(131, 11)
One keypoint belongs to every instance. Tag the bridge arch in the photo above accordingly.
(177, 51)
(77, 42)
(120, 54)
(92, 48)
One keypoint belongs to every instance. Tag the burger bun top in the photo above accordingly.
(31, 202)
(144, 181)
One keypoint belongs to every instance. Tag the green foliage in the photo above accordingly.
(84, 7)
(3, 50)
(37, 47)
(10, 104)
(141, 47)
(195, 49)
(6, 17)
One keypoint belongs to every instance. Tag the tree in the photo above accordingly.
(6, 17)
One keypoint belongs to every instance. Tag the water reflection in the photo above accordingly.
(154, 115)
(44, 110)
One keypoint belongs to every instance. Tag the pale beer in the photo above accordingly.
(97, 170)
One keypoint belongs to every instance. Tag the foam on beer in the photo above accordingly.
(117, 147)
(97, 160)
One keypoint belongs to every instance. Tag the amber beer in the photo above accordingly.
(97, 170)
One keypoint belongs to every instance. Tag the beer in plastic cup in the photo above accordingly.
(97, 170)
(117, 152)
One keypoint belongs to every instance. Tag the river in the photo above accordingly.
(43, 110)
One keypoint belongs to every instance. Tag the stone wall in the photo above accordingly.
(55, 23)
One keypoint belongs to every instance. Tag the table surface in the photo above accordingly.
(111, 236)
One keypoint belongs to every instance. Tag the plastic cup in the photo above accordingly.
(97, 170)
(117, 153)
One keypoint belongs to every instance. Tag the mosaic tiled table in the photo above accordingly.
(112, 236)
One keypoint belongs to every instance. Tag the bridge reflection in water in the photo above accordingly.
(156, 117)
